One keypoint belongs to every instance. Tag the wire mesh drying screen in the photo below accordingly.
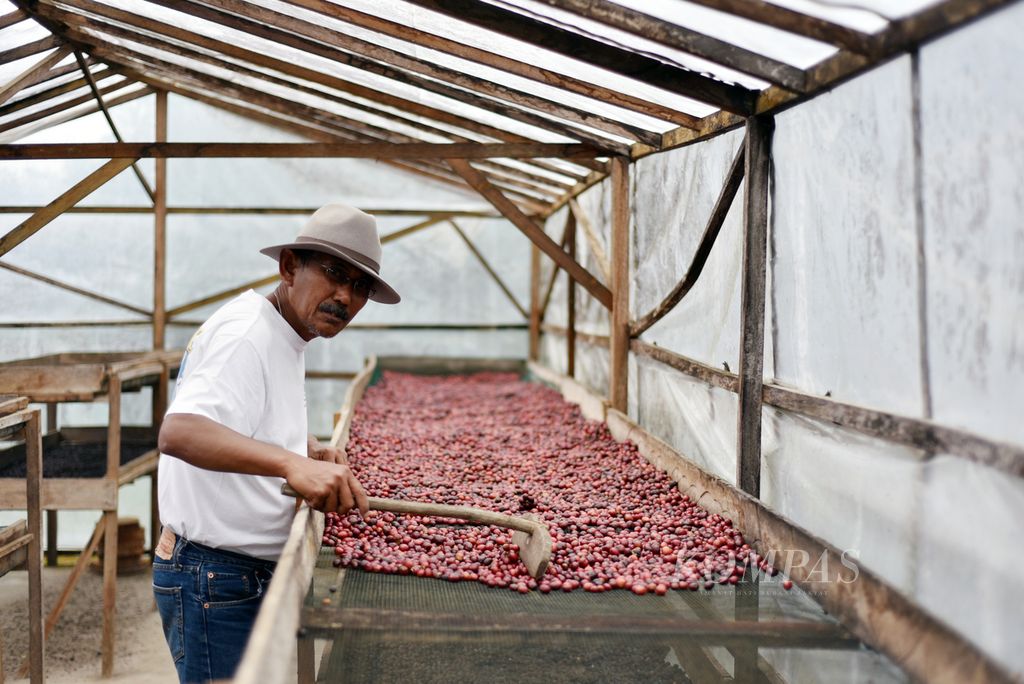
(429, 600)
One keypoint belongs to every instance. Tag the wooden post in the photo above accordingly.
(159, 409)
(570, 337)
(110, 527)
(33, 481)
(619, 351)
(51, 516)
(755, 240)
(534, 302)
(160, 229)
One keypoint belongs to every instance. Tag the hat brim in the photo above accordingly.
(383, 293)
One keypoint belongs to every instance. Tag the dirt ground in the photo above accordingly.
(73, 650)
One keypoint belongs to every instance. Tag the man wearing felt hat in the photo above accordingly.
(236, 430)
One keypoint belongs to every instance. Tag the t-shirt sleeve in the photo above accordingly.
(225, 384)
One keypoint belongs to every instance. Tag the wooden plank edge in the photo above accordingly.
(273, 640)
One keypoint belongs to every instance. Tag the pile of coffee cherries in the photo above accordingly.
(493, 441)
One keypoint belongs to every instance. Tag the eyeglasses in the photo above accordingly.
(362, 286)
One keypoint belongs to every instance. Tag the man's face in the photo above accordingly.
(326, 293)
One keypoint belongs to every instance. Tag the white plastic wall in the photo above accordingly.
(894, 282)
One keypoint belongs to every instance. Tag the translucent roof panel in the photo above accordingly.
(771, 42)
(473, 36)
(335, 68)
(479, 71)
(869, 16)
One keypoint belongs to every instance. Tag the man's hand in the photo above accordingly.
(328, 487)
(323, 452)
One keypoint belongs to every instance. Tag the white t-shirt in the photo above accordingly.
(245, 369)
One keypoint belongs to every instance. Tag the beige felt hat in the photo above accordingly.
(349, 234)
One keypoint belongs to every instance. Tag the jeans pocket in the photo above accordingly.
(168, 602)
(228, 584)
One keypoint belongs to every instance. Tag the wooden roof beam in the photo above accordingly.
(497, 61)
(20, 103)
(531, 230)
(686, 40)
(63, 106)
(645, 69)
(32, 74)
(317, 40)
(355, 150)
(12, 18)
(73, 114)
(29, 49)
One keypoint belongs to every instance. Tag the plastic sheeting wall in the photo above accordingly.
(871, 300)
(439, 278)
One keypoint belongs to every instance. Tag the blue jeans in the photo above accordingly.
(208, 600)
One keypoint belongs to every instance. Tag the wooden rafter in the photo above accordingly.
(32, 74)
(64, 106)
(703, 251)
(531, 230)
(37, 221)
(29, 49)
(72, 114)
(498, 61)
(20, 103)
(640, 67)
(686, 40)
(12, 18)
(71, 288)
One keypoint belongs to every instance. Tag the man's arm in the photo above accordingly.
(204, 443)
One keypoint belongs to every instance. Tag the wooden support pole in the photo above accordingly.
(160, 230)
(570, 287)
(33, 224)
(31, 75)
(531, 230)
(110, 525)
(487, 267)
(51, 539)
(618, 379)
(534, 351)
(757, 156)
(33, 482)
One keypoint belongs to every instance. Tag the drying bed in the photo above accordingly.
(419, 599)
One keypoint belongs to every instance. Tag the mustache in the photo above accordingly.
(336, 310)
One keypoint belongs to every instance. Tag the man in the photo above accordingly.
(236, 430)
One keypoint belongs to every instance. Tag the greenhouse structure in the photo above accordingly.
(773, 251)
